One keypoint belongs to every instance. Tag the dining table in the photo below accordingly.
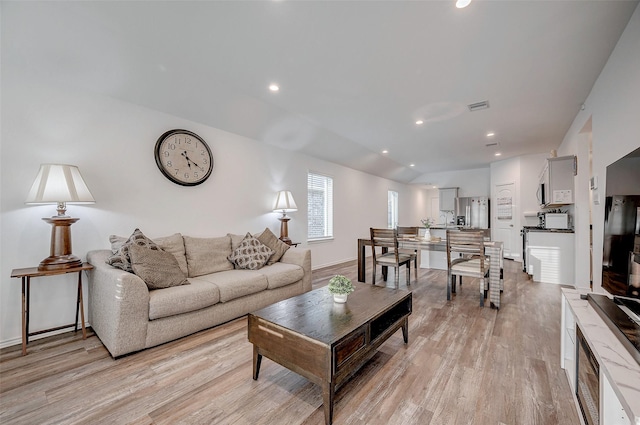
(493, 249)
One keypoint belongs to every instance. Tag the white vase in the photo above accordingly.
(427, 235)
(340, 298)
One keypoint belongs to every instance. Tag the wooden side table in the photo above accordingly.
(26, 275)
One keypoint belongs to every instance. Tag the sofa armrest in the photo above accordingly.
(118, 306)
(302, 258)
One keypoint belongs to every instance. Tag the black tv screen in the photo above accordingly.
(621, 243)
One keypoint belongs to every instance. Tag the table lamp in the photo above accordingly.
(59, 184)
(285, 204)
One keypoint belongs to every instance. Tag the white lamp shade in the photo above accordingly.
(59, 183)
(285, 202)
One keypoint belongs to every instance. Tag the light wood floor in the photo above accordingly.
(463, 365)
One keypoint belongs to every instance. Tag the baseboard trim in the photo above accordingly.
(333, 263)
(18, 341)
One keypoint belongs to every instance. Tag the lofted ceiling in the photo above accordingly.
(354, 76)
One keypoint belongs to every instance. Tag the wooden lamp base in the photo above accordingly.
(284, 229)
(61, 257)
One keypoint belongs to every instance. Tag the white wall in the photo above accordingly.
(474, 182)
(113, 145)
(614, 109)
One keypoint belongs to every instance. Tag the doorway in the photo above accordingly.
(504, 199)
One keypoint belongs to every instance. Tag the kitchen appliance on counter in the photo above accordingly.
(473, 212)
(556, 221)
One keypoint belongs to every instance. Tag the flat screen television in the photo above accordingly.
(621, 243)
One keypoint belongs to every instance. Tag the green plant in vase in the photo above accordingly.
(427, 223)
(340, 286)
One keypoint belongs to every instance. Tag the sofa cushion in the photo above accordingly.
(159, 269)
(235, 240)
(281, 274)
(251, 254)
(182, 299)
(173, 244)
(279, 248)
(207, 255)
(234, 284)
(120, 258)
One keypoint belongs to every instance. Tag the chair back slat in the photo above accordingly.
(467, 243)
(386, 238)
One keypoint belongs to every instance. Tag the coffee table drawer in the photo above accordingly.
(351, 344)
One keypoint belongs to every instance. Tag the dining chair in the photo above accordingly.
(387, 239)
(466, 257)
(409, 232)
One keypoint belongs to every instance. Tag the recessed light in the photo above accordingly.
(462, 3)
(497, 154)
(491, 134)
(419, 122)
(274, 87)
(412, 165)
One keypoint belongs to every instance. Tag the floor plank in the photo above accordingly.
(463, 365)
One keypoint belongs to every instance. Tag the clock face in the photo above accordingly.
(183, 157)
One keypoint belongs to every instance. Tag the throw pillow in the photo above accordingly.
(159, 269)
(121, 258)
(173, 244)
(251, 254)
(116, 242)
(207, 255)
(279, 248)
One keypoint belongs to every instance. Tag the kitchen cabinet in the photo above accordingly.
(447, 197)
(550, 256)
(557, 181)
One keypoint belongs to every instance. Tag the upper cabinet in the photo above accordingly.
(448, 197)
(557, 181)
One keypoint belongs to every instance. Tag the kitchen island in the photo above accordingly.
(549, 255)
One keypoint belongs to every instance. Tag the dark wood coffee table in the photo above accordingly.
(327, 342)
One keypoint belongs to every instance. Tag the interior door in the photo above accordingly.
(504, 219)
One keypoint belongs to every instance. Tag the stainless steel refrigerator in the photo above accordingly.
(621, 230)
(473, 212)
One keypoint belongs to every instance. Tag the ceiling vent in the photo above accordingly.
(478, 106)
(491, 145)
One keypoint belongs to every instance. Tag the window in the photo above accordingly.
(392, 209)
(320, 206)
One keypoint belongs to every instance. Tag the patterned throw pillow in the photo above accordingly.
(121, 258)
(251, 254)
(279, 248)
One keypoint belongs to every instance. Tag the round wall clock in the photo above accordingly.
(183, 157)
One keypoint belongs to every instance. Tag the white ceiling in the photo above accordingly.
(354, 75)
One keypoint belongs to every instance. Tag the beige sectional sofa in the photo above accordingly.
(127, 316)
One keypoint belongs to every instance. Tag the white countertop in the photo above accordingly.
(622, 371)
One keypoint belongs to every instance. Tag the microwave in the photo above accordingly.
(556, 221)
(541, 195)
